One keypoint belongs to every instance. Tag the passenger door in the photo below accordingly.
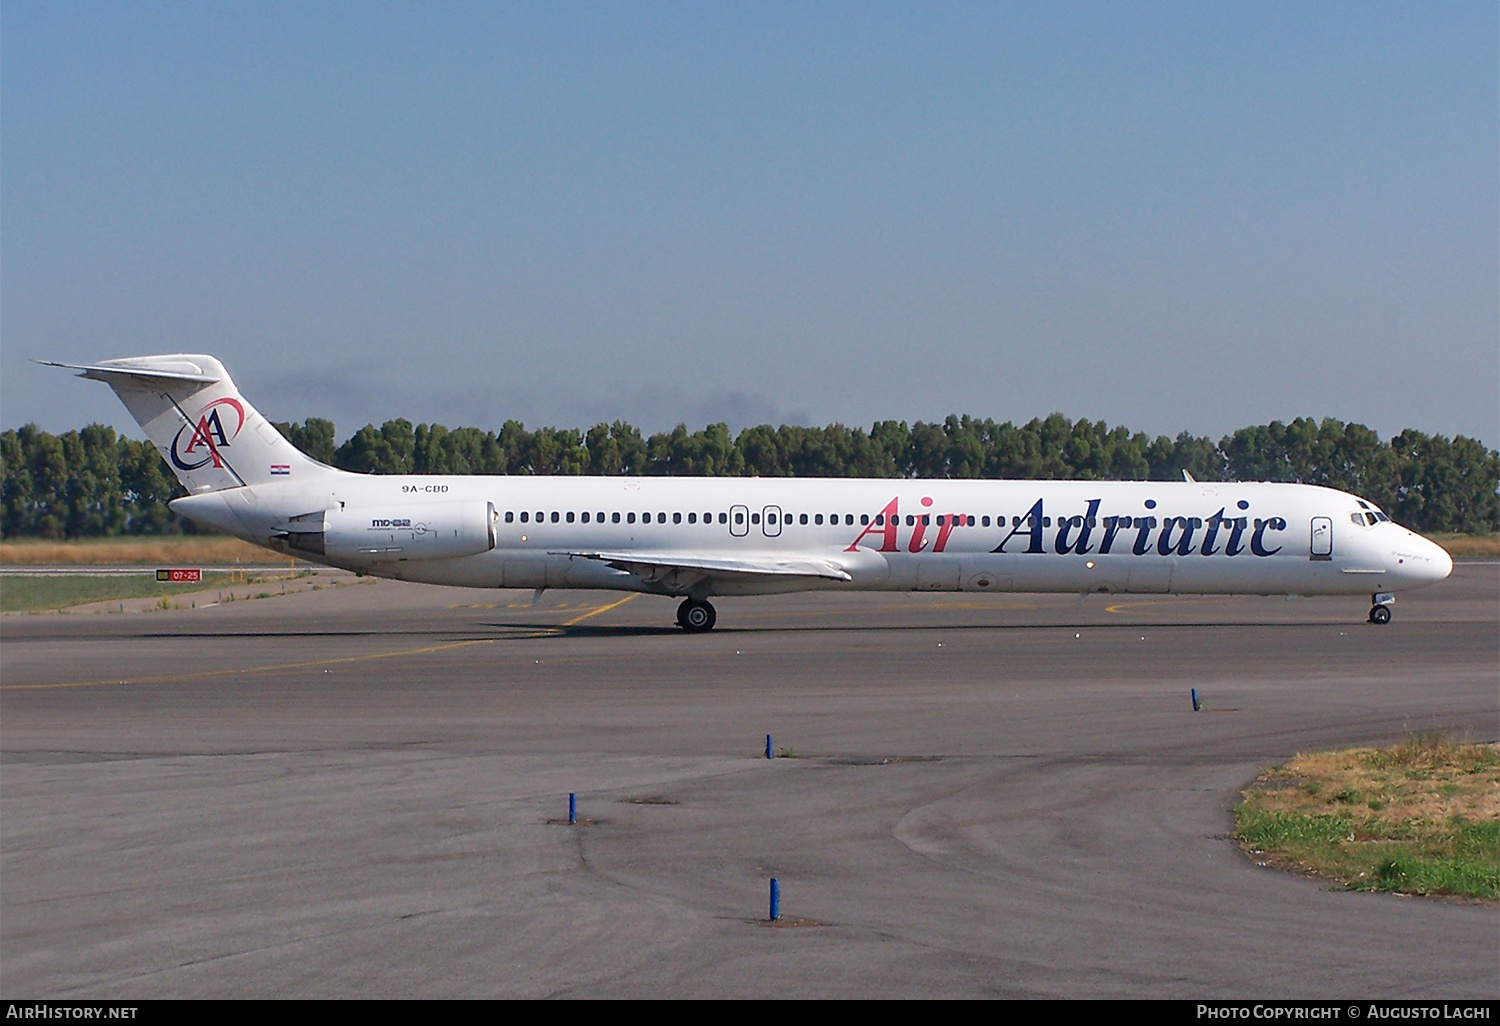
(1322, 539)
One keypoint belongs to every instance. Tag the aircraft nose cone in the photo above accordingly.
(1442, 563)
(1427, 564)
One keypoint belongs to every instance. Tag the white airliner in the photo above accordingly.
(699, 537)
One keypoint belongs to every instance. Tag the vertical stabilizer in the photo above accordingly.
(208, 434)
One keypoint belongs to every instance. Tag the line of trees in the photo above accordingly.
(93, 482)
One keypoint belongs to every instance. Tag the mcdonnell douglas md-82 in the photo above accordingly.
(694, 538)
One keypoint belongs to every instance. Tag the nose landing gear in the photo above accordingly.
(696, 616)
(1380, 611)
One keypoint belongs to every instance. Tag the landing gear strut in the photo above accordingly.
(1380, 611)
(696, 616)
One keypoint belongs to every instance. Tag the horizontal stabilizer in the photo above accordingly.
(139, 368)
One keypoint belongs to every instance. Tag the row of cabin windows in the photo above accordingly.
(661, 518)
(848, 519)
(541, 516)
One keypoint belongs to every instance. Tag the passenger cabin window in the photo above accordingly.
(630, 518)
(614, 518)
(510, 516)
(570, 516)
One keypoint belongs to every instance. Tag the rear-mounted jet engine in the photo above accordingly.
(438, 530)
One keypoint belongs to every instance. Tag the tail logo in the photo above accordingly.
(206, 437)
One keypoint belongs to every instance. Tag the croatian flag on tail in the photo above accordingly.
(281, 468)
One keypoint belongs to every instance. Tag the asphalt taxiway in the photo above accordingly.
(361, 791)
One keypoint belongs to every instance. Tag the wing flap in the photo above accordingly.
(649, 565)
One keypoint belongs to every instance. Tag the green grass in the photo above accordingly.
(24, 593)
(1422, 817)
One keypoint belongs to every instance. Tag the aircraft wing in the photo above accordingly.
(656, 567)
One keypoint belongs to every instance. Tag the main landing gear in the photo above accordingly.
(1380, 611)
(696, 616)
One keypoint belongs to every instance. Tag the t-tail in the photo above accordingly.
(208, 434)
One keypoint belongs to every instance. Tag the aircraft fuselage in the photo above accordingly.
(893, 535)
(698, 537)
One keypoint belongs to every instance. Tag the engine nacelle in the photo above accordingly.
(367, 534)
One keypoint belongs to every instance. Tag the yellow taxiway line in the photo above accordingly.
(541, 632)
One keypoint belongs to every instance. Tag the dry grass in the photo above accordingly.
(205, 551)
(1418, 779)
(1469, 544)
(1420, 818)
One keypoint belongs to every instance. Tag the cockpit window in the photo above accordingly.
(1369, 515)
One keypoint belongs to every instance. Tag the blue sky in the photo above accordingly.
(1171, 216)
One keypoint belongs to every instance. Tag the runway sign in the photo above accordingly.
(181, 575)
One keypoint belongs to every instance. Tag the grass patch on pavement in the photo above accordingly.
(1420, 818)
